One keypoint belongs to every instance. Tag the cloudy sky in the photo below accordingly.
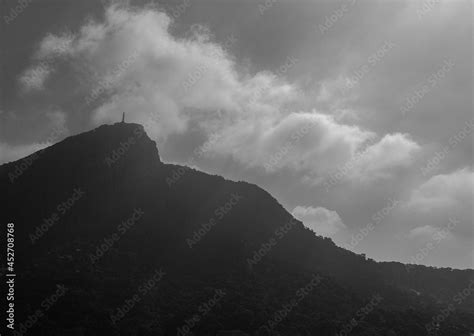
(356, 115)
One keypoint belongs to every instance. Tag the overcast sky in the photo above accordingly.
(356, 115)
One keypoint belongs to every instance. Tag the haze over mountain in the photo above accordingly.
(142, 247)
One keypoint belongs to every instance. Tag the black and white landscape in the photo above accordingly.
(237, 167)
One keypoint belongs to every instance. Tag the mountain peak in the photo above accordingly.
(122, 129)
(123, 147)
(115, 144)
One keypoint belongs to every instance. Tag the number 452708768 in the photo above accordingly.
(10, 246)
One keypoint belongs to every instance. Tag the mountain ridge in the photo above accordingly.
(119, 170)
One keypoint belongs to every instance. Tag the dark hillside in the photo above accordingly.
(98, 214)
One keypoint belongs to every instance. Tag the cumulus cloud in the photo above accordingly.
(444, 191)
(428, 232)
(35, 77)
(321, 220)
(380, 159)
(443, 198)
(51, 49)
(301, 141)
(317, 145)
(52, 46)
(139, 67)
(169, 83)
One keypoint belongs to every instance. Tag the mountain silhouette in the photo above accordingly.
(129, 245)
